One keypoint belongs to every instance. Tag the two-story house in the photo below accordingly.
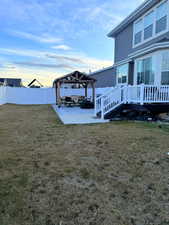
(141, 58)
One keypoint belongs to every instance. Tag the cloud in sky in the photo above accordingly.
(37, 35)
(73, 59)
(62, 47)
(43, 38)
(77, 58)
(41, 65)
(52, 63)
(65, 16)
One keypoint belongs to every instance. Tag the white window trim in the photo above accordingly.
(154, 22)
(127, 75)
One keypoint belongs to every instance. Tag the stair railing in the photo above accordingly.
(111, 100)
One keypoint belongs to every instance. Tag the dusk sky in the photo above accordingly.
(45, 39)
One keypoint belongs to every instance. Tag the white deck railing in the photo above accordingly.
(148, 94)
(139, 94)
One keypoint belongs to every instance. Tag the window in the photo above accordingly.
(161, 17)
(138, 32)
(151, 24)
(122, 74)
(165, 68)
(145, 73)
(148, 25)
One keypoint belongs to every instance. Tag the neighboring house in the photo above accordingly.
(105, 77)
(141, 58)
(12, 82)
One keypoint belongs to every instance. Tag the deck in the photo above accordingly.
(135, 94)
(76, 115)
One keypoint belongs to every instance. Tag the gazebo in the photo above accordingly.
(74, 78)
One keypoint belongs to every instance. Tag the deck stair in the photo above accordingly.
(110, 101)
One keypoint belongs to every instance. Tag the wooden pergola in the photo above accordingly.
(75, 78)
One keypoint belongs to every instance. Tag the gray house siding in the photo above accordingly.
(105, 78)
(123, 44)
(124, 40)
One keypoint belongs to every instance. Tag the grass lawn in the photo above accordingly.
(104, 174)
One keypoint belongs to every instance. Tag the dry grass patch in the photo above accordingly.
(104, 174)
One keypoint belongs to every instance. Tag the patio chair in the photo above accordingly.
(86, 104)
(69, 101)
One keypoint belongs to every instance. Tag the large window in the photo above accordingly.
(161, 17)
(165, 68)
(148, 25)
(151, 24)
(122, 74)
(145, 71)
(138, 32)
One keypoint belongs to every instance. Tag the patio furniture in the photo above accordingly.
(69, 101)
(87, 104)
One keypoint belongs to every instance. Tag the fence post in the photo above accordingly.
(142, 94)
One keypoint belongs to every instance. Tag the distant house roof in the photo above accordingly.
(12, 82)
(31, 84)
(147, 4)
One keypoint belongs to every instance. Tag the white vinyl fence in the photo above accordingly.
(2, 95)
(30, 96)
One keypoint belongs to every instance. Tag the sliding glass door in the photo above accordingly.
(145, 71)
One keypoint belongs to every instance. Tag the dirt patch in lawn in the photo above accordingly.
(104, 174)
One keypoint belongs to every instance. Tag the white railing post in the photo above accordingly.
(128, 94)
(142, 94)
(95, 106)
(102, 108)
(125, 93)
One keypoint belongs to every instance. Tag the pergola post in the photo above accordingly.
(58, 94)
(86, 90)
(55, 85)
(93, 92)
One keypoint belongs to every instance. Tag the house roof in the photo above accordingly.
(133, 16)
(101, 70)
(33, 81)
(14, 82)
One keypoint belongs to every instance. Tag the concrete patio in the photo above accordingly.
(76, 115)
